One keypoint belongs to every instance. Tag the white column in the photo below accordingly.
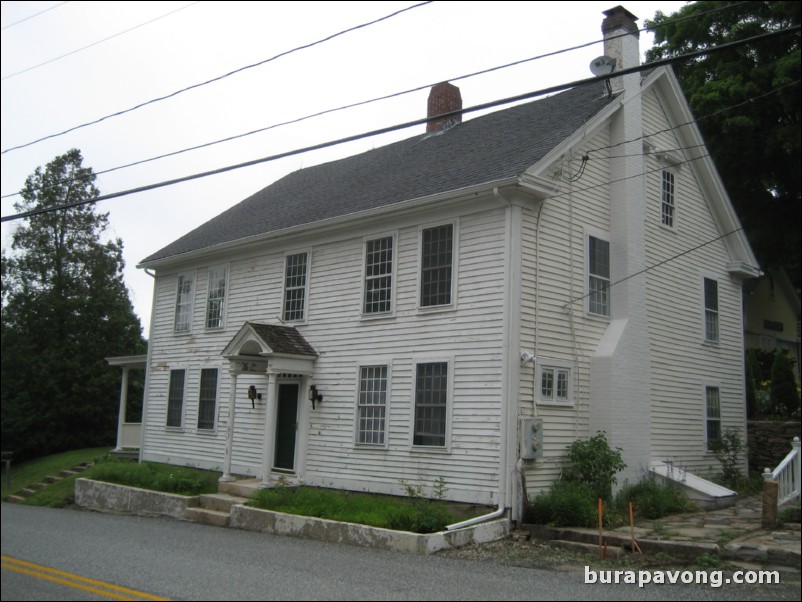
(269, 449)
(232, 407)
(123, 408)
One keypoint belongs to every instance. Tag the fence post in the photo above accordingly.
(770, 491)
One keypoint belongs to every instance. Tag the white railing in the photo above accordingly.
(787, 474)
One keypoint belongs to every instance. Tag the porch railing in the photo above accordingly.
(787, 475)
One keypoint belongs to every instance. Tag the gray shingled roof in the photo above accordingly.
(283, 339)
(485, 149)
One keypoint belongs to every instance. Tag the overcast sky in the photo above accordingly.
(111, 56)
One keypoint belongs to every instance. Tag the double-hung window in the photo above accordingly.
(555, 384)
(295, 286)
(183, 303)
(668, 206)
(712, 415)
(207, 399)
(711, 310)
(437, 266)
(431, 404)
(175, 399)
(372, 405)
(378, 276)
(598, 276)
(216, 302)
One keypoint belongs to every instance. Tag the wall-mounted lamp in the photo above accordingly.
(252, 395)
(314, 395)
(527, 357)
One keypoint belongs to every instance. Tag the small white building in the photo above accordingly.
(460, 306)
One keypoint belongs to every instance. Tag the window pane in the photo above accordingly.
(436, 265)
(598, 276)
(711, 310)
(295, 287)
(372, 404)
(668, 199)
(217, 297)
(713, 413)
(208, 398)
(431, 392)
(562, 385)
(378, 275)
(547, 384)
(175, 398)
(183, 303)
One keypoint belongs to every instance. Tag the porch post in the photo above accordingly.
(232, 407)
(123, 408)
(268, 451)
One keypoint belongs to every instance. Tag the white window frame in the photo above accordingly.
(285, 314)
(707, 418)
(668, 199)
(216, 410)
(393, 237)
(711, 315)
(360, 406)
(182, 417)
(449, 402)
(555, 368)
(222, 301)
(184, 304)
(452, 304)
(591, 292)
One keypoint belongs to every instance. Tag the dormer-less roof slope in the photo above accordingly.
(486, 149)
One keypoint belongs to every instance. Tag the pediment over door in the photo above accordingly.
(258, 348)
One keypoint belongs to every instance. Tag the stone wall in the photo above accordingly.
(769, 442)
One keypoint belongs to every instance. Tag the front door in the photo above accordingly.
(286, 426)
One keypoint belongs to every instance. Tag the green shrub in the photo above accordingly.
(784, 394)
(157, 477)
(594, 463)
(728, 449)
(566, 504)
(653, 498)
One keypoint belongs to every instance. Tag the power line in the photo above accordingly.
(218, 78)
(116, 35)
(401, 126)
(41, 12)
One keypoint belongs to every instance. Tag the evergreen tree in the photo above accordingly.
(65, 309)
(747, 100)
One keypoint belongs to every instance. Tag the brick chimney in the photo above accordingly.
(443, 98)
(621, 42)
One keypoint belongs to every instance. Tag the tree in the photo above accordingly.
(747, 101)
(65, 308)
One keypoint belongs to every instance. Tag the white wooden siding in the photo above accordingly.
(471, 336)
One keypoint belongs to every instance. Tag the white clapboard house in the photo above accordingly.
(460, 306)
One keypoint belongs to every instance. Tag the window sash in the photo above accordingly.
(372, 404)
(431, 400)
(712, 415)
(554, 384)
(183, 303)
(207, 399)
(378, 275)
(437, 255)
(668, 206)
(295, 287)
(217, 297)
(598, 276)
(175, 398)
(711, 310)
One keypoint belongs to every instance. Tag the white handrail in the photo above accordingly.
(787, 474)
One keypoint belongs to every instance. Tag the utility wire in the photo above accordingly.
(220, 77)
(116, 35)
(416, 122)
(489, 70)
(41, 12)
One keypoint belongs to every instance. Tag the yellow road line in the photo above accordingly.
(76, 581)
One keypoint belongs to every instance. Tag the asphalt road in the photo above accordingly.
(171, 559)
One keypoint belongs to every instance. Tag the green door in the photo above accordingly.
(286, 426)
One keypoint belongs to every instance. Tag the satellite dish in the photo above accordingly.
(602, 65)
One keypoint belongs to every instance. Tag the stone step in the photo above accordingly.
(80, 468)
(37, 486)
(220, 502)
(52, 479)
(244, 488)
(578, 546)
(15, 499)
(27, 492)
(208, 517)
(67, 473)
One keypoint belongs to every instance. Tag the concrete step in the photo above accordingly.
(208, 517)
(244, 488)
(221, 502)
(52, 479)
